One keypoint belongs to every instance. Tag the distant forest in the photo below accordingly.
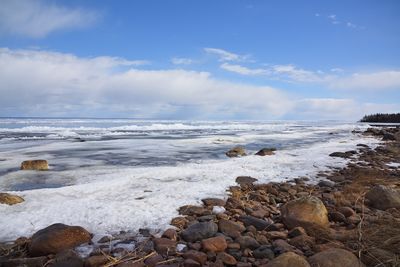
(381, 117)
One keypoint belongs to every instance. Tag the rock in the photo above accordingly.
(288, 259)
(297, 231)
(38, 165)
(170, 234)
(281, 246)
(191, 263)
(96, 261)
(218, 210)
(346, 211)
(213, 202)
(346, 154)
(25, 262)
(305, 212)
(230, 228)
(214, 244)
(337, 216)
(388, 137)
(165, 246)
(199, 231)
(179, 222)
(68, 258)
(197, 256)
(259, 224)
(237, 151)
(153, 260)
(56, 238)
(10, 199)
(303, 242)
(266, 152)
(383, 197)
(334, 257)
(245, 180)
(247, 242)
(325, 183)
(226, 258)
(191, 210)
(264, 252)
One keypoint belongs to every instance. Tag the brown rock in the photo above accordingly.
(153, 260)
(67, 258)
(56, 238)
(266, 152)
(383, 197)
(288, 259)
(296, 232)
(277, 235)
(179, 222)
(213, 202)
(10, 199)
(247, 242)
(245, 180)
(334, 257)
(305, 212)
(29, 262)
(214, 244)
(226, 258)
(193, 210)
(191, 263)
(303, 242)
(38, 165)
(197, 256)
(230, 228)
(170, 234)
(337, 216)
(96, 261)
(237, 151)
(165, 246)
(346, 211)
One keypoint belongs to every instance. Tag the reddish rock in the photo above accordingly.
(226, 259)
(334, 257)
(56, 238)
(214, 244)
(305, 212)
(288, 259)
(197, 256)
(277, 235)
(153, 260)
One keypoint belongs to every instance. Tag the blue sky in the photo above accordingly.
(200, 59)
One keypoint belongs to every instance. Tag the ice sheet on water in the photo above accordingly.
(106, 198)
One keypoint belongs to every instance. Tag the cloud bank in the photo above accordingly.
(37, 18)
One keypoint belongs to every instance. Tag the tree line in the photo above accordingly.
(382, 117)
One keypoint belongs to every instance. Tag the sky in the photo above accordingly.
(200, 60)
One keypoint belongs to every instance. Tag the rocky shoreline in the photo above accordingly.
(350, 218)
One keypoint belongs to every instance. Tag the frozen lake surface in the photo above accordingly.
(109, 175)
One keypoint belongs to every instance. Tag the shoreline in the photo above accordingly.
(253, 229)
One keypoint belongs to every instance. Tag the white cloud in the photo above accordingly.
(181, 61)
(49, 83)
(38, 18)
(225, 55)
(379, 80)
(243, 70)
